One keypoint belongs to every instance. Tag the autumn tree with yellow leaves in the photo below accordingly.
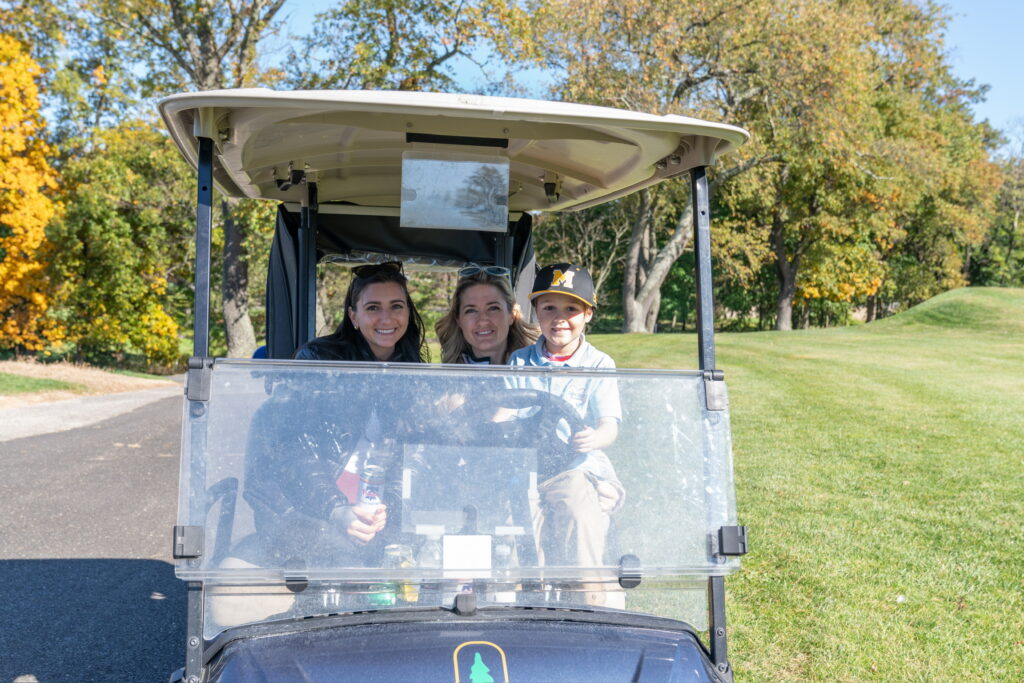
(25, 209)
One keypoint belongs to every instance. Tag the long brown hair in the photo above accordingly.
(453, 344)
(413, 344)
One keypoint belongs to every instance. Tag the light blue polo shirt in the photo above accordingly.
(593, 397)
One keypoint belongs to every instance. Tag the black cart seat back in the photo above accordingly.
(360, 239)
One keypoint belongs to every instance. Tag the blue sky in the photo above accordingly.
(983, 41)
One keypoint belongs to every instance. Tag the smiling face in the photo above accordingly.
(484, 319)
(381, 314)
(562, 319)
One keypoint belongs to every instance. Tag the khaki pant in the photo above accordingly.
(571, 530)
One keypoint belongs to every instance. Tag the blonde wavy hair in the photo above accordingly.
(453, 344)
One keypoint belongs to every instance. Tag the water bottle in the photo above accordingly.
(430, 557)
(502, 589)
(430, 553)
(385, 594)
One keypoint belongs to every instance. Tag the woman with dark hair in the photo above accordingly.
(483, 323)
(304, 463)
(381, 323)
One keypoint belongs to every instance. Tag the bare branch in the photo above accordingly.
(727, 174)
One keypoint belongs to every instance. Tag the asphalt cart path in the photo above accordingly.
(87, 590)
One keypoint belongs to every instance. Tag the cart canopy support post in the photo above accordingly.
(706, 357)
(204, 226)
(307, 267)
(194, 633)
(702, 236)
(200, 350)
(716, 624)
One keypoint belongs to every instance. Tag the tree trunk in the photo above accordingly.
(633, 316)
(784, 308)
(320, 327)
(871, 308)
(1011, 262)
(651, 322)
(785, 271)
(647, 266)
(786, 267)
(238, 329)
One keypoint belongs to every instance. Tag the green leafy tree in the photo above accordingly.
(204, 44)
(39, 26)
(857, 126)
(708, 60)
(1000, 259)
(84, 83)
(383, 44)
(122, 254)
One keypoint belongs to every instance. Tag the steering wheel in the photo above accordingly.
(473, 424)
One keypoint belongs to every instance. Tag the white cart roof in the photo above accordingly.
(351, 143)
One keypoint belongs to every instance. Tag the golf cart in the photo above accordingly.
(457, 587)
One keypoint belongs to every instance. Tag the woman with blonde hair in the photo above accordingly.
(483, 325)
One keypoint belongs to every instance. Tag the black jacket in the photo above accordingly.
(333, 347)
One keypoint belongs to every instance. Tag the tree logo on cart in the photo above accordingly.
(479, 673)
(478, 661)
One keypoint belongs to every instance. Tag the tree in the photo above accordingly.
(663, 57)
(382, 44)
(208, 44)
(938, 201)
(593, 237)
(123, 247)
(849, 104)
(38, 25)
(1000, 259)
(26, 178)
(83, 84)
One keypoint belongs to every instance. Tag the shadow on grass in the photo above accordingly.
(90, 620)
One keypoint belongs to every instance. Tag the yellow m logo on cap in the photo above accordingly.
(561, 279)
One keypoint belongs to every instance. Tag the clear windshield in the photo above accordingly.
(375, 485)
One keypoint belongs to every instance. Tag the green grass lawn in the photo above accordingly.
(16, 384)
(880, 470)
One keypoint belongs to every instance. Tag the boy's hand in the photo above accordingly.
(588, 439)
(585, 440)
(369, 520)
(607, 496)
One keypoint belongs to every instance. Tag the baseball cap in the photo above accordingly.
(564, 278)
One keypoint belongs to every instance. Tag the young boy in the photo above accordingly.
(575, 504)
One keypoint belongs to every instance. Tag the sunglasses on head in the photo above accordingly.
(374, 268)
(493, 271)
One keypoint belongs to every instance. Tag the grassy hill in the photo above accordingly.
(880, 469)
